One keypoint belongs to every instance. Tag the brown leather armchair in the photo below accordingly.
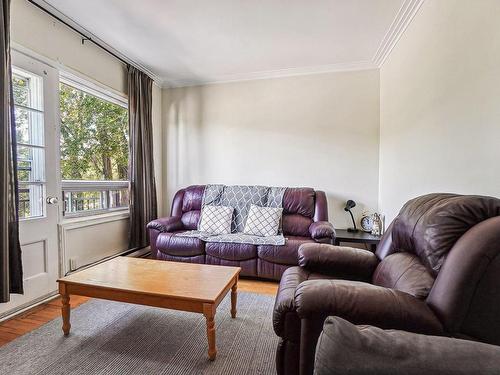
(436, 271)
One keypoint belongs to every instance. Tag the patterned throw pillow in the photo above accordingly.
(263, 221)
(216, 219)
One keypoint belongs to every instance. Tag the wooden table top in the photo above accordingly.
(186, 281)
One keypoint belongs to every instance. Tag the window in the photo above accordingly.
(94, 150)
(28, 107)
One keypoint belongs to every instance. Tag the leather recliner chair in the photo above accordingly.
(436, 271)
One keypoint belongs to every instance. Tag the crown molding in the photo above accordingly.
(268, 74)
(42, 3)
(403, 18)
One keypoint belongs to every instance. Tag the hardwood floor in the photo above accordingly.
(39, 315)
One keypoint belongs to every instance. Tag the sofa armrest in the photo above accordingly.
(322, 230)
(398, 352)
(339, 261)
(166, 224)
(363, 303)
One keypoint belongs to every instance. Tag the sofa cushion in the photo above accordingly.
(286, 254)
(248, 266)
(191, 219)
(193, 196)
(231, 251)
(296, 225)
(169, 243)
(299, 201)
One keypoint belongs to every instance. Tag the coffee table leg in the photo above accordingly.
(209, 312)
(234, 298)
(66, 309)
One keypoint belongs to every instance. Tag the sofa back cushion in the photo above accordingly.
(299, 206)
(187, 205)
(404, 272)
(298, 211)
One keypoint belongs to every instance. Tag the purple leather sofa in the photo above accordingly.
(305, 220)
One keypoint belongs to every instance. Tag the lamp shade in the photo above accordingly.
(349, 205)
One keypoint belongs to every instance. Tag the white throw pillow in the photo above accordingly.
(216, 219)
(263, 221)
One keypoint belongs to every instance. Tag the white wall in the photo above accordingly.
(440, 104)
(320, 131)
(37, 33)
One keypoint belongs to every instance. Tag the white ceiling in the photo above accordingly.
(185, 42)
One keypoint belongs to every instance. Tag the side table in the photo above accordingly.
(342, 235)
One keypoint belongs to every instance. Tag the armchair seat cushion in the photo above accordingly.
(286, 254)
(231, 251)
(170, 244)
(404, 272)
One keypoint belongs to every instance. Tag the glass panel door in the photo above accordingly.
(29, 112)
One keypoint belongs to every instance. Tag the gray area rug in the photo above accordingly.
(117, 338)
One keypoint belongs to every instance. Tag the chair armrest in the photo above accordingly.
(363, 303)
(322, 230)
(284, 304)
(166, 224)
(359, 303)
(339, 261)
(342, 344)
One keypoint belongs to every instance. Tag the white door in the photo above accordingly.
(36, 106)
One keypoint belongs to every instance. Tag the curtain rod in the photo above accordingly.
(84, 37)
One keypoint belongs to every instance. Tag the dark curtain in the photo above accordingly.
(11, 272)
(143, 206)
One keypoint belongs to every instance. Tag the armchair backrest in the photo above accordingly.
(453, 242)
(301, 207)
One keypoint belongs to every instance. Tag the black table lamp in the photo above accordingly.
(348, 206)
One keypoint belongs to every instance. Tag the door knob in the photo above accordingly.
(52, 200)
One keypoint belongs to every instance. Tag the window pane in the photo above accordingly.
(84, 201)
(21, 90)
(94, 137)
(29, 126)
(27, 89)
(87, 201)
(30, 164)
(28, 99)
(118, 198)
(30, 200)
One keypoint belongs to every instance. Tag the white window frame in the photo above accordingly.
(70, 186)
(36, 95)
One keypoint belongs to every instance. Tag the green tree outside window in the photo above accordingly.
(94, 137)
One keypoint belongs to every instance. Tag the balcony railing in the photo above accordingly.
(93, 197)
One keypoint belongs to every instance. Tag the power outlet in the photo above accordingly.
(72, 264)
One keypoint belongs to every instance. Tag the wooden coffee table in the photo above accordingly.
(180, 286)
